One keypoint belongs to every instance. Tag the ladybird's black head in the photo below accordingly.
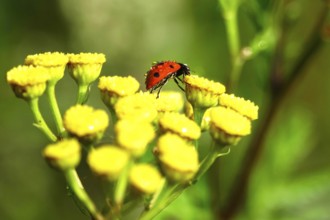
(184, 70)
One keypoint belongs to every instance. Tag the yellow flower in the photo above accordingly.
(145, 178)
(134, 135)
(201, 92)
(54, 62)
(240, 105)
(228, 126)
(27, 82)
(179, 124)
(108, 161)
(139, 106)
(178, 160)
(85, 67)
(64, 154)
(114, 87)
(170, 101)
(86, 123)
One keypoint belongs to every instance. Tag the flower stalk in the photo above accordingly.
(39, 121)
(215, 152)
(229, 10)
(77, 188)
(50, 91)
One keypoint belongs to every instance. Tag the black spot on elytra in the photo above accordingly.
(156, 74)
(171, 66)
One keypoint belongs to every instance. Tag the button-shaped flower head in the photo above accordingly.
(54, 62)
(85, 68)
(145, 178)
(227, 126)
(139, 106)
(114, 87)
(134, 135)
(240, 105)
(201, 92)
(86, 123)
(64, 154)
(179, 124)
(108, 161)
(28, 82)
(178, 159)
(169, 101)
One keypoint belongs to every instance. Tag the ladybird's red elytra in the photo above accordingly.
(161, 72)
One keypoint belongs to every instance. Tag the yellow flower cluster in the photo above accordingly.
(145, 129)
(29, 81)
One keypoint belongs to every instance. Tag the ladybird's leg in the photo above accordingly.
(176, 81)
(160, 88)
(179, 79)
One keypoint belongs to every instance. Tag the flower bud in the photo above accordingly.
(139, 106)
(178, 159)
(64, 154)
(85, 68)
(134, 135)
(227, 126)
(169, 101)
(27, 82)
(108, 161)
(181, 125)
(54, 62)
(201, 92)
(240, 105)
(86, 123)
(114, 87)
(145, 178)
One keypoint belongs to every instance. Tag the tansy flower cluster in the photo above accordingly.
(144, 146)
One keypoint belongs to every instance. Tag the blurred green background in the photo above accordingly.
(288, 176)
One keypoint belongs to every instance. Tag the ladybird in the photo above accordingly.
(161, 72)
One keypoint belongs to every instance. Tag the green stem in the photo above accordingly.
(54, 108)
(120, 190)
(112, 115)
(198, 115)
(39, 120)
(213, 154)
(80, 193)
(83, 91)
(169, 195)
(232, 31)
